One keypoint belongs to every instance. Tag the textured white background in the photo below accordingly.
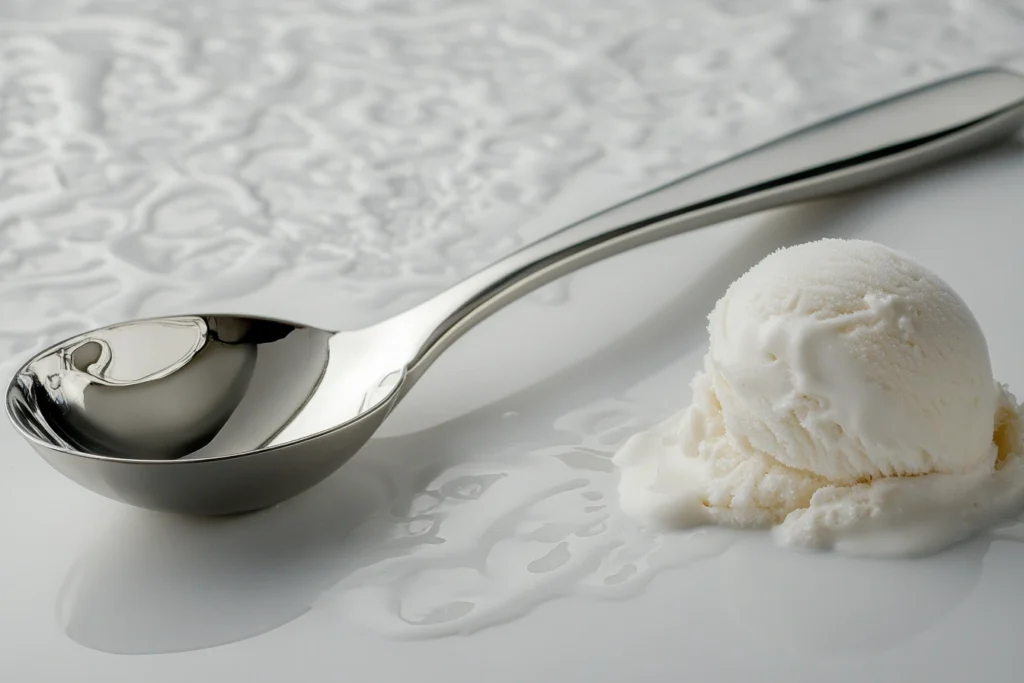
(157, 155)
(332, 162)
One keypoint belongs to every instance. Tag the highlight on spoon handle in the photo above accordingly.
(870, 144)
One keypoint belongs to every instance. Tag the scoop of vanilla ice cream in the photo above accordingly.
(848, 360)
(847, 391)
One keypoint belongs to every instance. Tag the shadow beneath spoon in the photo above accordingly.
(158, 584)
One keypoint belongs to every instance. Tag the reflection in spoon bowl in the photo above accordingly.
(163, 388)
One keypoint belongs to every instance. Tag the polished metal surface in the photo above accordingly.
(218, 414)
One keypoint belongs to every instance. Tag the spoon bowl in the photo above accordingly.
(201, 414)
(219, 414)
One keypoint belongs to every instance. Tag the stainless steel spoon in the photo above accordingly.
(219, 414)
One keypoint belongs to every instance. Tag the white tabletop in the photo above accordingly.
(332, 162)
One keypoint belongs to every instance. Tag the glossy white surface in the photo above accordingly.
(362, 155)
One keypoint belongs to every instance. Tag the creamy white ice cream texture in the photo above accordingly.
(847, 400)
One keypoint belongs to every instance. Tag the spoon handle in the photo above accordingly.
(874, 143)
